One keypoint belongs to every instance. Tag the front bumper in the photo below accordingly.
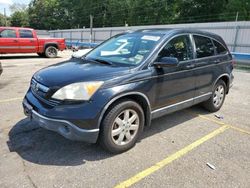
(63, 127)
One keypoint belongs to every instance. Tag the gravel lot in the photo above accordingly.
(173, 152)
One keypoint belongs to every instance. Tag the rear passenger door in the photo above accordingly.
(27, 42)
(205, 71)
(175, 85)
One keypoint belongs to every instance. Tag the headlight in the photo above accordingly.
(78, 91)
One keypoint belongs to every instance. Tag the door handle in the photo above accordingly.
(190, 66)
(217, 61)
(32, 41)
(15, 40)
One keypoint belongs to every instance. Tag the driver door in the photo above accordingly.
(175, 88)
(9, 42)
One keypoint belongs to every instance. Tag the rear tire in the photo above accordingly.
(122, 126)
(215, 102)
(51, 52)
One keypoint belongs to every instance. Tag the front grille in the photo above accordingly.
(39, 89)
(42, 92)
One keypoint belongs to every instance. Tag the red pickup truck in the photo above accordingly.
(25, 40)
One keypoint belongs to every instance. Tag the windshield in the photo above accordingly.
(130, 49)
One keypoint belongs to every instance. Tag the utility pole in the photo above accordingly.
(5, 18)
(126, 24)
(237, 15)
(236, 31)
(91, 27)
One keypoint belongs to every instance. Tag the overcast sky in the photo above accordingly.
(7, 3)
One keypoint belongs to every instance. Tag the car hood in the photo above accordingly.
(72, 71)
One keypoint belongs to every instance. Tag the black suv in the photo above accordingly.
(115, 90)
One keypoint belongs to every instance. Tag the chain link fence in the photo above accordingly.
(235, 34)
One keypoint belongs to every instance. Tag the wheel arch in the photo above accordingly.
(138, 97)
(50, 44)
(226, 79)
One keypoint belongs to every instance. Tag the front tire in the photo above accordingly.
(122, 126)
(215, 102)
(51, 52)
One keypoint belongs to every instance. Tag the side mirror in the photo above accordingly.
(167, 62)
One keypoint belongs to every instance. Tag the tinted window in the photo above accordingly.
(25, 34)
(220, 49)
(8, 33)
(180, 47)
(204, 46)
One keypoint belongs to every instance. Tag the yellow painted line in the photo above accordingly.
(10, 100)
(240, 130)
(210, 119)
(171, 158)
(222, 124)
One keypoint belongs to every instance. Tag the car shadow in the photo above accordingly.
(21, 57)
(3, 84)
(2, 57)
(44, 147)
(172, 120)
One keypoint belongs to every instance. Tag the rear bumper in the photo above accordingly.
(63, 127)
(62, 47)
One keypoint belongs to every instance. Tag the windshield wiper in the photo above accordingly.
(102, 61)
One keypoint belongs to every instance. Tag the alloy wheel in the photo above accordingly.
(125, 127)
(218, 96)
(52, 51)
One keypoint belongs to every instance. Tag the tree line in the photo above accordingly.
(69, 14)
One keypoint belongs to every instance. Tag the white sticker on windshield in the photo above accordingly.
(148, 37)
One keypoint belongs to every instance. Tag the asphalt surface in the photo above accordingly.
(173, 152)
